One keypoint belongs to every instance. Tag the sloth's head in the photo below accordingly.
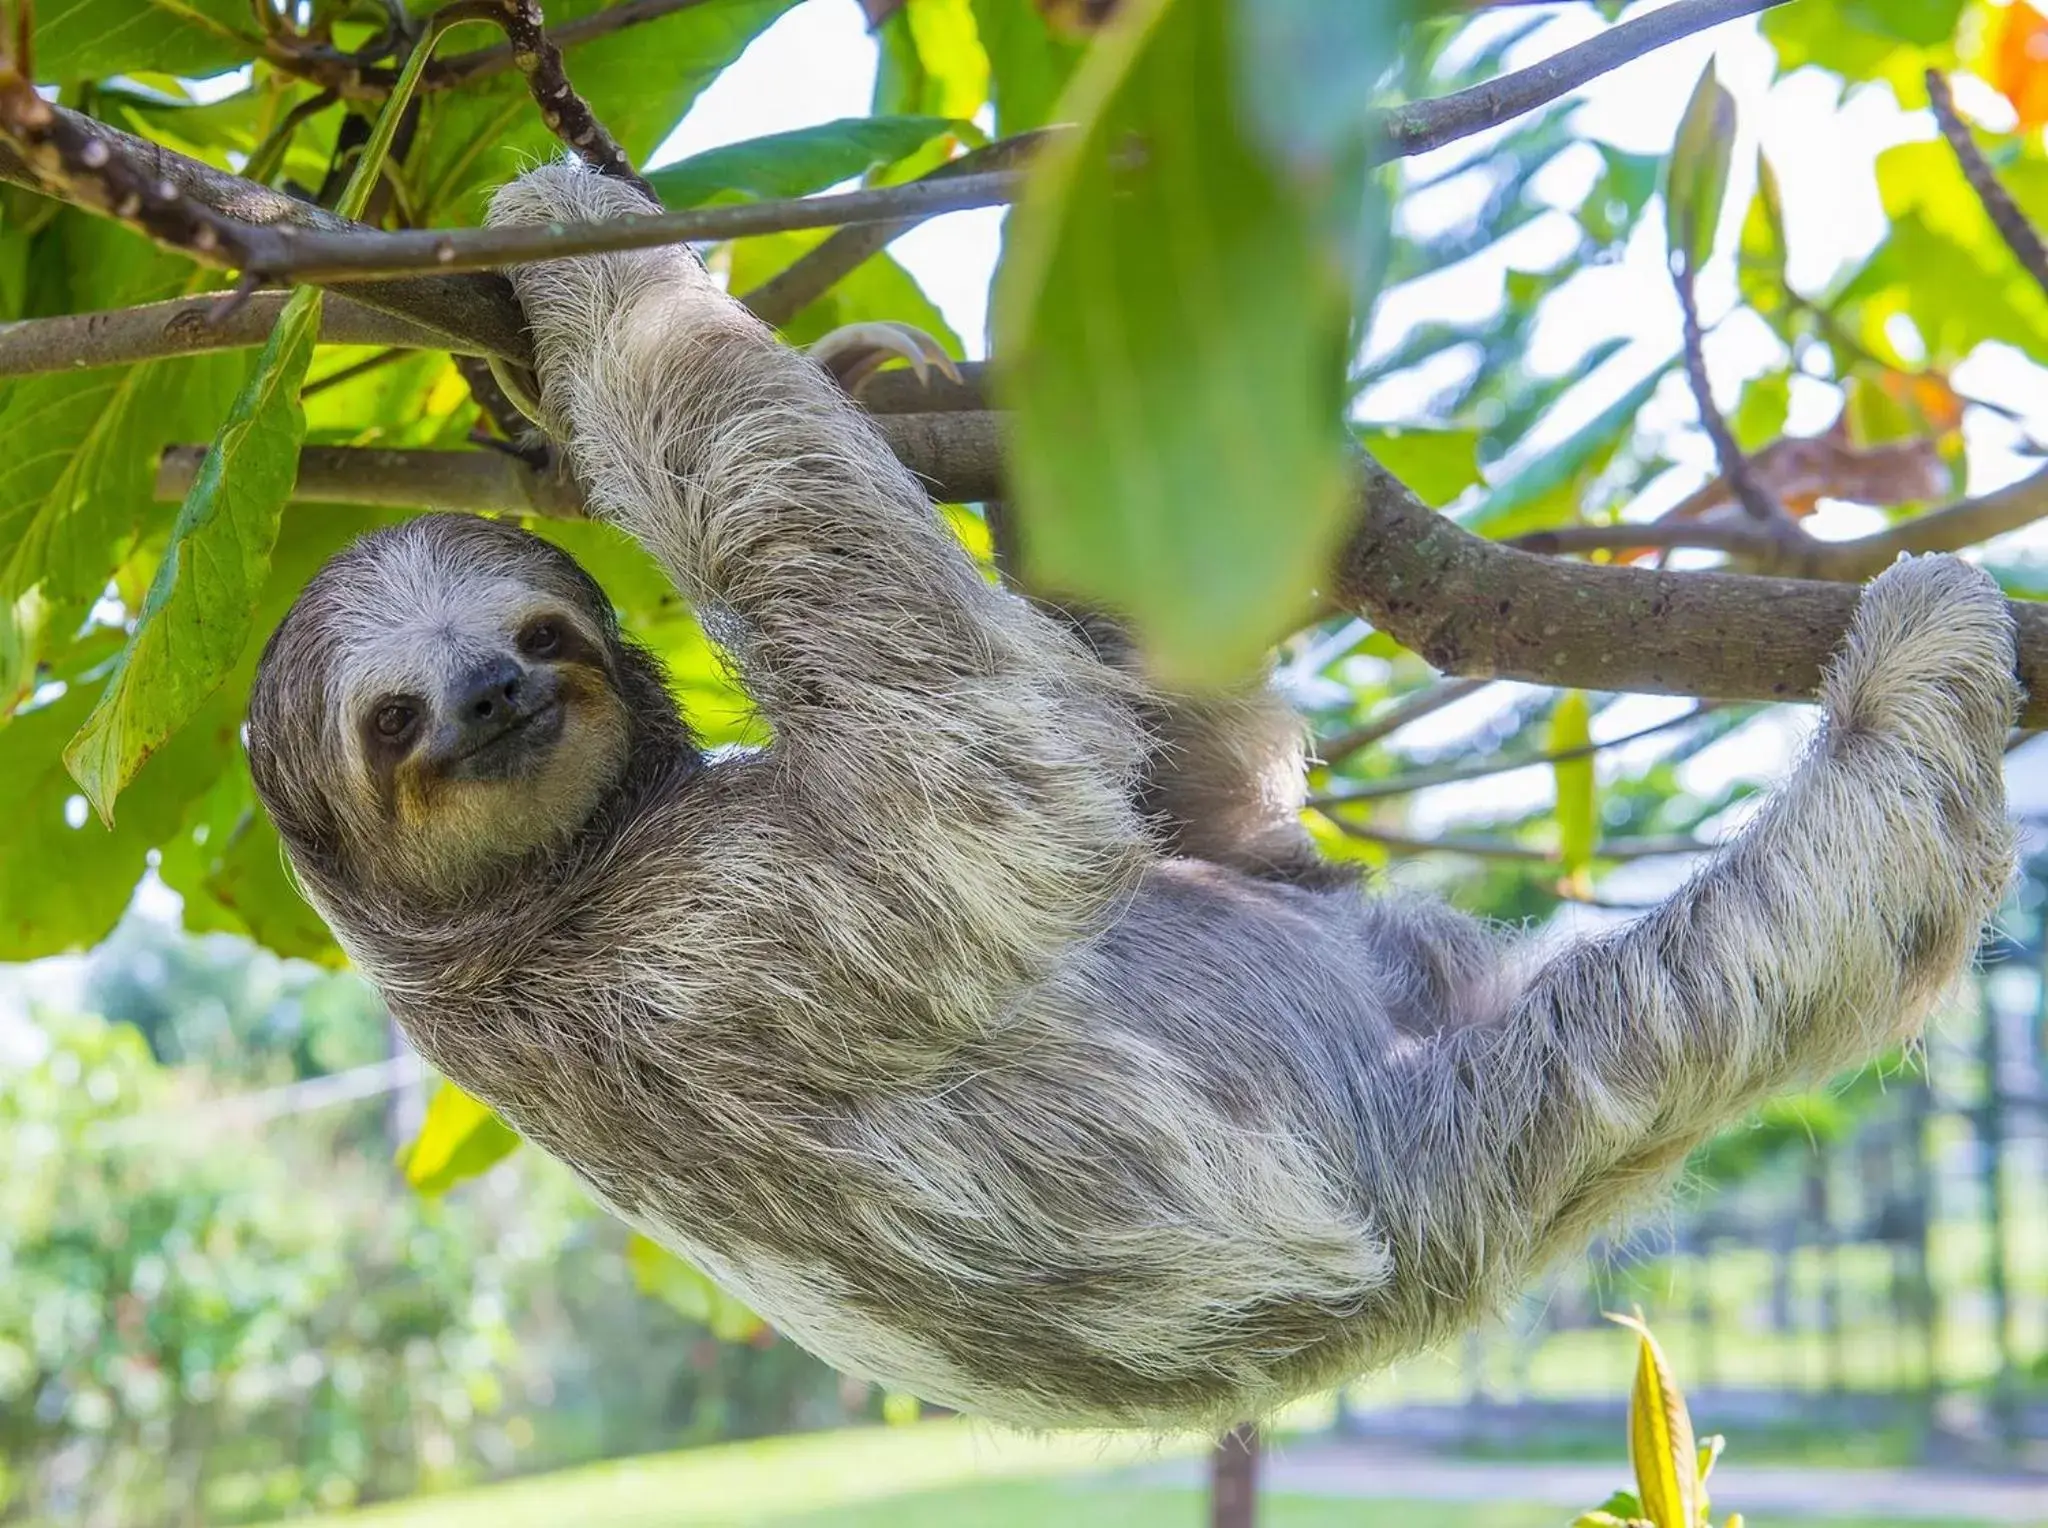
(445, 698)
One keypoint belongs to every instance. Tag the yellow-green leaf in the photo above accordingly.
(459, 1139)
(1660, 1439)
(1696, 178)
(1578, 810)
(659, 1273)
(196, 618)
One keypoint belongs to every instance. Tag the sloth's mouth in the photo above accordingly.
(505, 751)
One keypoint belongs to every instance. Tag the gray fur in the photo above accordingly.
(921, 1032)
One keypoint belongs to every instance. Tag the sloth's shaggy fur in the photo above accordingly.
(986, 1046)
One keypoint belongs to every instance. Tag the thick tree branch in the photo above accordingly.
(1424, 125)
(1476, 608)
(2012, 225)
(191, 325)
(957, 455)
(475, 312)
(1470, 607)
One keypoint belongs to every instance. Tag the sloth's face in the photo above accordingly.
(448, 690)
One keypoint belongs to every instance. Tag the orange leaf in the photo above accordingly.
(2019, 62)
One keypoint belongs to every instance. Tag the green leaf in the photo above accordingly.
(1696, 179)
(65, 878)
(798, 163)
(878, 288)
(1578, 812)
(459, 1139)
(931, 64)
(1029, 67)
(1760, 417)
(1660, 1440)
(1437, 465)
(664, 1276)
(90, 39)
(1176, 333)
(1308, 73)
(1895, 41)
(196, 619)
(1525, 501)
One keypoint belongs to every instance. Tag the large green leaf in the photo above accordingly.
(90, 39)
(1176, 332)
(1891, 40)
(798, 163)
(1029, 66)
(1544, 491)
(196, 620)
(1437, 465)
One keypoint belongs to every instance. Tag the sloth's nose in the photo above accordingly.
(488, 697)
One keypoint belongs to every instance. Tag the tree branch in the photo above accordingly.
(2011, 223)
(1476, 608)
(1469, 607)
(1458, 774)
(1391, 719)
(1485, 847)
(192, 325)
(1424, 125)
(1757, 501)
(1963, 524)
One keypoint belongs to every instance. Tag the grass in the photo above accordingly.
(939, 1475)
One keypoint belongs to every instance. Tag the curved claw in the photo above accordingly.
(853, 353)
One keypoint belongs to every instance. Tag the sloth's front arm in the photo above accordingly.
(958, 754)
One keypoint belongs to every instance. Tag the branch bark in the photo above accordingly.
(1472, 608)
(2011, 223)
(1479, 609)
(1424, 125)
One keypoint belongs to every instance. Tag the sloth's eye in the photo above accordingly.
(394, 719)
(543, 639)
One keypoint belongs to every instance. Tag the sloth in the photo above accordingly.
(995, 1031)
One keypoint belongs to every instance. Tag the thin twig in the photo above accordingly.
(1482, 846)
(1965, 523)
(567, 115)
(2012, 225)
(1425, 125)
(1756, 499)
(1459, 774)
(347, 374)
(1392, 718)
(787, 293)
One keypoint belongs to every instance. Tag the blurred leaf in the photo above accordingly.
(1578, 811)
(1511, 506)
(1760, 259)
(801, 162)
(1760, 417)
(1437, 465)
(664, 1276)
(931, 64)
(1029, 66)
(879, 288)
(89, 39)
(1308, 71)
(196, 619)
(1895, 41)
(2019, 62)
(1697, 179)
(1176, 335)
(459, 1139)
(1660, 1440)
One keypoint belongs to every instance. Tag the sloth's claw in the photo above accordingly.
(853, 353)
